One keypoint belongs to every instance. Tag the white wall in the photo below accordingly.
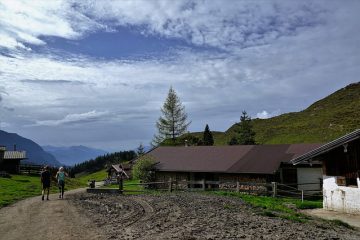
(340, 198)
(309, 175)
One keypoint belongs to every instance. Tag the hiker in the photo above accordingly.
(60, 176)
(45, 181)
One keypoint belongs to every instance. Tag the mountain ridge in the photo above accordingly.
(34, 152)
(71, 155)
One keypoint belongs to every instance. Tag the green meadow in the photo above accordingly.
(19, 187)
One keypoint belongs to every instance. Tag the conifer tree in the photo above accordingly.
(208, 139)
(173, 121)
(245, 134)
(140, 150)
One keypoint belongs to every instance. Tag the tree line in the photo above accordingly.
(104, 161)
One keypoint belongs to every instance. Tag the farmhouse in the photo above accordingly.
(242, 163)
(10, 160)
(341, 172)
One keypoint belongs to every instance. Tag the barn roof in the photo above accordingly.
(260, 159)
(15, 155)
(327, 147)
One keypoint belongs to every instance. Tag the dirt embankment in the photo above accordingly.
(195, 216)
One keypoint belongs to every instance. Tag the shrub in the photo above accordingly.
(144, 169)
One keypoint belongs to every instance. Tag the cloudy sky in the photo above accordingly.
(96, 73)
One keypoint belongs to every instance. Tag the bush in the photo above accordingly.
(144, 169)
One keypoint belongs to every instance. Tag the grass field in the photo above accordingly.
(19, 187)
(97, 176)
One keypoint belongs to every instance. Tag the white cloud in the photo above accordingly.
(75, 118)
(264, 114)
(25, 22)
(4, 125)
(278, 55)
(224, 24)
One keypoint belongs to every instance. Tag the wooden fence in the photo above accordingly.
(273, 189)
(30, 169)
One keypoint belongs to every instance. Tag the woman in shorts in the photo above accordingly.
(60, 176)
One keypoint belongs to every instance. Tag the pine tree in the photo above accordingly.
(140, 150)
(208, 139)
(173, 121)
(245, 134)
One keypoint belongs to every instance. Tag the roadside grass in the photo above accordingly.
(341, 223)
(97, 176)
(286, 208)
(128, 186)
(19, 187)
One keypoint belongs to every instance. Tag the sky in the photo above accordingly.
(96, 73)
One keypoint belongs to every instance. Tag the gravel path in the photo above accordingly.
(33, 219)
(195, 216)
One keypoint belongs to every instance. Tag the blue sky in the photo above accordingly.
(96, 73)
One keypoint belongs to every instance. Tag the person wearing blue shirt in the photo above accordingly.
(60, 176)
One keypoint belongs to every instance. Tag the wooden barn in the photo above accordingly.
(122, 169)
(341, 172)
(10, 160)
(244, 163)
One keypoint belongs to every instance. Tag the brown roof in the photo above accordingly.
(15, 155)
(326, 147)
(262, 159)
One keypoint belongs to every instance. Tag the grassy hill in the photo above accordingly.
(323, 121)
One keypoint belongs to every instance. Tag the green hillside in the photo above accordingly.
(325, 120)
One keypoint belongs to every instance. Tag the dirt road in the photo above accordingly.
(161, 216)
(196, 216)
(33, 219)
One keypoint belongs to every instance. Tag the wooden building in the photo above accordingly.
(10, 160)
(122, 169)
(239, 163)
(341, 172)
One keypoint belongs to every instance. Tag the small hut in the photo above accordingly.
(123, 170)
(10, 160)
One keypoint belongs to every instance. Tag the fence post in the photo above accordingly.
(203, 184)
(121, 186)
(302, 195)
(237, 186)
(274, 188)
(170, 185)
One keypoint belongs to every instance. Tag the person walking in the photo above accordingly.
(60, 176)
(45, 182)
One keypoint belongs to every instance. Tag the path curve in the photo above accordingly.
(33, 219)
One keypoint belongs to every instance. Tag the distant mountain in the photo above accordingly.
(34, 152)
(323, 121)
(74, 154)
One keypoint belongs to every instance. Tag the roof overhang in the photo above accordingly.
(327, 147)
